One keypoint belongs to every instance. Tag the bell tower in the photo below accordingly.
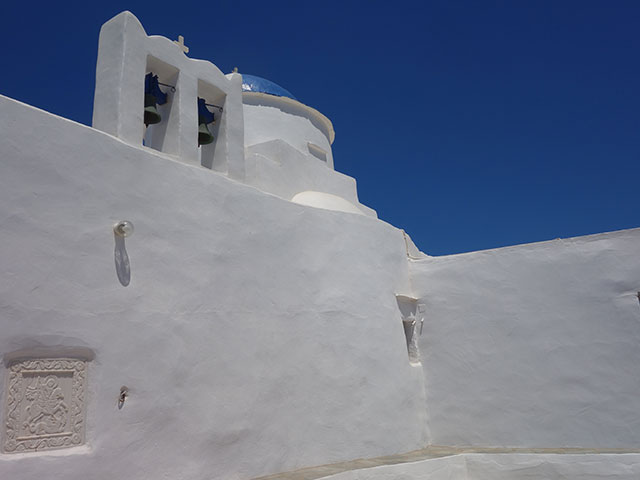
(149, 93)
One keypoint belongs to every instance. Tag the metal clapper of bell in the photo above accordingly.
(205, 117)
(152, 96)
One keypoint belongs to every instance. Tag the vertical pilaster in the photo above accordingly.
(119, 95)
(187, 127)
(235, 128)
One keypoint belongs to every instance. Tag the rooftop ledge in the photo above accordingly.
(293, 107)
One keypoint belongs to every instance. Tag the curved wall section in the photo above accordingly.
(269, 118)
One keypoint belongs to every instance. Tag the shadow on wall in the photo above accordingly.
(412, 325)
(121, 258)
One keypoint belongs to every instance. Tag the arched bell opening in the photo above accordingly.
(211, 126)
(160, 86)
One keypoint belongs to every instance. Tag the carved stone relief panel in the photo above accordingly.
(45, 404)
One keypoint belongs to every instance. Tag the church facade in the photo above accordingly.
(190, 290)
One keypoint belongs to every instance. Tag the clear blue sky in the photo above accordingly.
(470, 124)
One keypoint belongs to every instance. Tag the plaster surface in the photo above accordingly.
(447, 468)
(505, 467)
(270, 121)
(558, 466)
(252, 336)
(326, 201)
(261, 320)
(534, 345)
(278, 168)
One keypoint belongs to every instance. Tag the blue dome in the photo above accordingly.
(251, 83)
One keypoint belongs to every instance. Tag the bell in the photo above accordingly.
(205, 117)
(152, 96)
(204, 135)
(151, 115)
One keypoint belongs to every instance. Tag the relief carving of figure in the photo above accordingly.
(46, 413)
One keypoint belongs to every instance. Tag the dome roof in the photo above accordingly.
(251, 83)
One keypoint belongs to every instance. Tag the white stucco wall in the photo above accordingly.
(535, 345)
(256, 335)
(277, 167)
(266, 122)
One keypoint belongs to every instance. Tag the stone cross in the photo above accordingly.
(180, 43)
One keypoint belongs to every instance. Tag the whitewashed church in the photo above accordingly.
(190, 291)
